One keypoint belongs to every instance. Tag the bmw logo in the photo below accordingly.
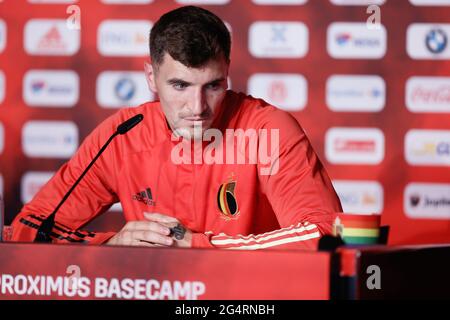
(436, 40)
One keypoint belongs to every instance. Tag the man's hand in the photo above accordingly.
(171, 222)
(152, 233)
(142, 233)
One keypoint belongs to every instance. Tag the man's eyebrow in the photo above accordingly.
(186, 83)
(216, 80)
(178, 81)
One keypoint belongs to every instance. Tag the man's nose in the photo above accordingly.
(199, 104)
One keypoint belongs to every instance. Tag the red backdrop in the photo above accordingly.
(428, 223)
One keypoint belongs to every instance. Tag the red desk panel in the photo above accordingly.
(42, 271)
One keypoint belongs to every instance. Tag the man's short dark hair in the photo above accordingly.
(190, 35)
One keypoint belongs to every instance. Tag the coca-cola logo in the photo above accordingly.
(439, 94)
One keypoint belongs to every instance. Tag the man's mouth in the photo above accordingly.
(196, 119)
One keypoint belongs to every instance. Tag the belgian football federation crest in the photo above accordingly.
(226, 200)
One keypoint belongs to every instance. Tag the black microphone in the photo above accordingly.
(129, 124)
(44, 231)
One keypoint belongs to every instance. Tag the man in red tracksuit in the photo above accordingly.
(229, 170)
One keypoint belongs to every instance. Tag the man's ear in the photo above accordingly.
(150, 77)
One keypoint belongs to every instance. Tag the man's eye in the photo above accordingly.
(214, 86)
(179, 86)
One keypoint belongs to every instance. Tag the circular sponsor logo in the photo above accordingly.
(125, 89)
(436, 40)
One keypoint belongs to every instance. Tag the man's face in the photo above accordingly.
(190, 97)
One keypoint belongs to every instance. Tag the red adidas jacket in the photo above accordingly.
(287, 202)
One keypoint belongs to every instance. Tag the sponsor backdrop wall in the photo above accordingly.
(375, 101)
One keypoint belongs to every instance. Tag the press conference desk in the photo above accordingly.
(42, 271)
(160, 273)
